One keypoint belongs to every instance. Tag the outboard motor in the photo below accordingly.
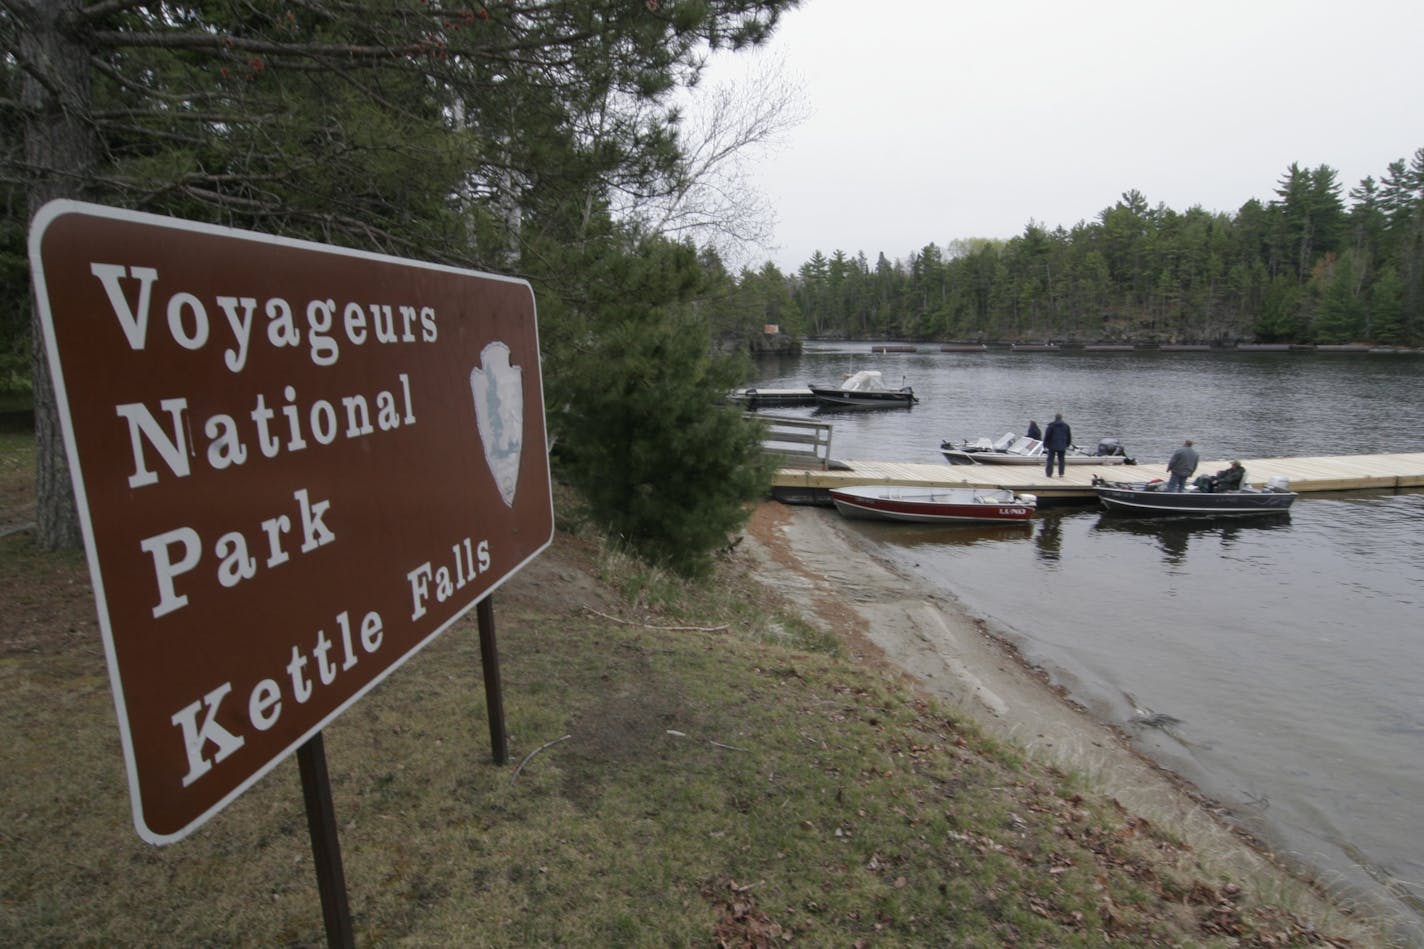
(1110, 447)
(1278, 483)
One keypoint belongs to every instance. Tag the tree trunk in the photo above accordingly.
(61, 150)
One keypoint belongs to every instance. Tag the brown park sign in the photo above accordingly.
(295, 465)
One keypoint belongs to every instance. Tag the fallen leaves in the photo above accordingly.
(740, 923)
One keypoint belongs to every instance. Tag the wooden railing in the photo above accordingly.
(796, 442)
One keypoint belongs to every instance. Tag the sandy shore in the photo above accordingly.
(837, 580)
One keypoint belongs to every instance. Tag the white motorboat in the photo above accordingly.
(1011, 449)
(864, 390)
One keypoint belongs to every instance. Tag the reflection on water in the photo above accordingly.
(911, 536)
(1288, 645)
(844, 411)
(1173, 534)
(1049, 539)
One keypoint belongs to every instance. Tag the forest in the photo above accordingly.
(1304, 267)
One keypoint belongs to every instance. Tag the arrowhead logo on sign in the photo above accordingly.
(498, 388)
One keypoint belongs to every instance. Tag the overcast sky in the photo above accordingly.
(932, 120)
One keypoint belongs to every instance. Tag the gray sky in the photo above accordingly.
(933, 120)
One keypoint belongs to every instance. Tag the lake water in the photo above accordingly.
(1291, 648)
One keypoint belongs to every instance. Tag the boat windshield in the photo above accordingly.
(863, 381)
(1020, 445)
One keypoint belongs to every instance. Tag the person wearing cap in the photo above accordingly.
(1227, 479)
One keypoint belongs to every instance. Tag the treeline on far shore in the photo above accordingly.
(1304, 268)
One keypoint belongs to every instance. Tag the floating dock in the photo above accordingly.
(1306, 476)
(754, 397)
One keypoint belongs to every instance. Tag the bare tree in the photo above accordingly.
(728, 127)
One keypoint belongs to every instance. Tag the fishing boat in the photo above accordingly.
(926, 505)
(1152, 497)
(1011, 449)
(862, 390)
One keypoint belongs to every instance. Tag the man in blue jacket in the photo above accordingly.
(1056, 439)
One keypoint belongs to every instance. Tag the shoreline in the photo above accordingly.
(895, 621)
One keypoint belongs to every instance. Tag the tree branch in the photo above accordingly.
(661, 629)
(530, 756)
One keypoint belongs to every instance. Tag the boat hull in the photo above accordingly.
(863, 399)
(1157, 503)
(921, 505)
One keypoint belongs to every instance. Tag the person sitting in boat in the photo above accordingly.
(1229, 478)
(1034, 431)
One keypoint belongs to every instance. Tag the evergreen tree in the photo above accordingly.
(1408, 228)
(781, 306)
(1386, 308)
(1341, 315)
(1368, 221)
(815, 293)
(1311, 214)
(643, 427)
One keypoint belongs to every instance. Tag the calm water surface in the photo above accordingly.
(1291, 648)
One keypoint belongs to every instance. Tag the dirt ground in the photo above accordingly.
(835, 578)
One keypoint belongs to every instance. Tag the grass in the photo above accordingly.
(17, 478)
(693, 765)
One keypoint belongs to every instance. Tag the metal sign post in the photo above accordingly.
(326, 845)
(494, 692)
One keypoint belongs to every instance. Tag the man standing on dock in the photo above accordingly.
(1180, 466)
(1056, 439)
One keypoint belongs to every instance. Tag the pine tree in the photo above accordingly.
(643, 428)
(1386, 308)
(1341, 317)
